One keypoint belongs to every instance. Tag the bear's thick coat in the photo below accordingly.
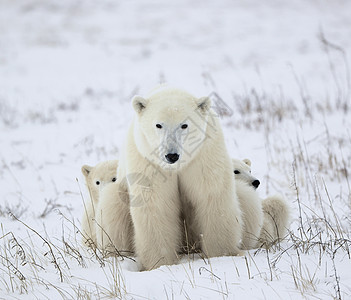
(275, 221)
(113, 226)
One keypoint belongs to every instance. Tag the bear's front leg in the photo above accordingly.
(216, 213)
(155, 210)
(219, 223)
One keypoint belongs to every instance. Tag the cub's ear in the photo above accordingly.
(139, 103)
(86, 170)
(204, 104)
(247, 161)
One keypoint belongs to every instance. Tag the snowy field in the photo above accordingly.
(68, 70)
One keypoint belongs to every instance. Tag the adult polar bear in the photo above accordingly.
(177, 144)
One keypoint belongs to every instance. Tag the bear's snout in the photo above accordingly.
(256, 183)
(172, 157)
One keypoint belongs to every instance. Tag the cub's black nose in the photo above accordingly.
(256, 183)
(172, 157)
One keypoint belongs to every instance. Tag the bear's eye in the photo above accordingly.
(97, 182)
(236, 172)
(184, 126)
(113, 179)
(159, 126)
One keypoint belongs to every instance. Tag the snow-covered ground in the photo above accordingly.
(68, 70)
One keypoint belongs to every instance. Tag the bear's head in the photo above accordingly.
(170, 126)
(242, 171)
(97, 177)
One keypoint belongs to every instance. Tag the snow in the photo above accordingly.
(68, 70)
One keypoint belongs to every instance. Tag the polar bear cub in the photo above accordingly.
(113, 232)
(250, 203)
(96, 178)
(274, 211)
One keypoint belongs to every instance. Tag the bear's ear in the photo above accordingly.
(139, 103)
(86, 170)
(247, 161)
(204, 104)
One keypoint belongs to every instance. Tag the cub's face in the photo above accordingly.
(99, 176)
(242, 171)
(171, 127)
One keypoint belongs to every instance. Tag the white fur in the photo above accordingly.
(114, 228)
(202, 175)
(251, 207)
(275, 222)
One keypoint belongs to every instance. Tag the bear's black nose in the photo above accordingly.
(172, 157)
(256, 183)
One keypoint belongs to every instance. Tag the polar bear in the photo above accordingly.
(96, 178)
(271, 215)
(175, 149)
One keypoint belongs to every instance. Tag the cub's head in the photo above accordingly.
(242, 171)
(170, 126)
(97, 177)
